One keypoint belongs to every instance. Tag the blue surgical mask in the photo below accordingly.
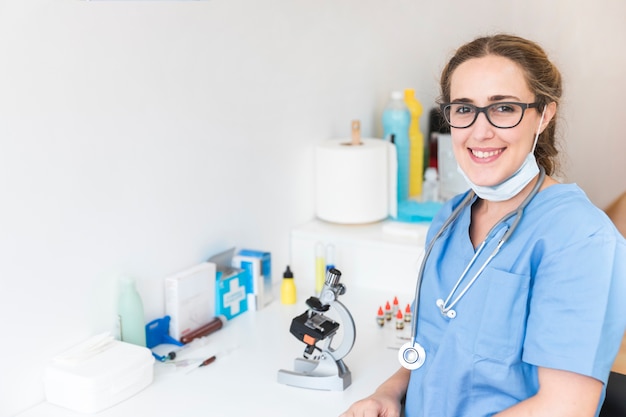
(510, 187)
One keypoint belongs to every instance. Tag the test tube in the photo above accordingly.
(320, 267)
(330, 257)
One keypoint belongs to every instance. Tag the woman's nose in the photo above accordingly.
(482, 128)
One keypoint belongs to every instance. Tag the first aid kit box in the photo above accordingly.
(98, 374)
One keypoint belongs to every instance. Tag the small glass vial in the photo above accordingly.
(380, 317)
(399, 320)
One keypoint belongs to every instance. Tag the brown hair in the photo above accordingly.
(542, 76)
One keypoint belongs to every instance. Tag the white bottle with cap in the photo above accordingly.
(430, 188)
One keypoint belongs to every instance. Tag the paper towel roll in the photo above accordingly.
(355, 183)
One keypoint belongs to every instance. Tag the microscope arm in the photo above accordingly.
(349, 331)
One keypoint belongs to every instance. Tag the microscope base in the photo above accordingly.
(324, 374)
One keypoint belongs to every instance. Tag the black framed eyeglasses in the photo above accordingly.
(503, 115)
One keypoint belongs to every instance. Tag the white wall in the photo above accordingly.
(141, 137)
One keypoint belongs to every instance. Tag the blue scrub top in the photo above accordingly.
(550, 298)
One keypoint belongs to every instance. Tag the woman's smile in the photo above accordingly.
(485, 155)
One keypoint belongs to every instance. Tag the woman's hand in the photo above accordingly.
(376, 405)
(386, 401)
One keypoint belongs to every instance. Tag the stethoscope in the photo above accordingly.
(412, 355)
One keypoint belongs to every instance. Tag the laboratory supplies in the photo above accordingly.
(157, 333)
(97, 374)
(451, 182)
(399, 320)
(207, 361)
(396, 122)
(416, 144)
(380, 317)
(388, 312)
(258, 265)
(330, 257)
(288, 288)
(412, 355)
(190, 299)
(212, 326)
(407, 313)
(130, 313)
(233, 286)
(430, 188)
(320, 267)
(355, 184)
(322, 367)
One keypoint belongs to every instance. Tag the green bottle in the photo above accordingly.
(130, 313)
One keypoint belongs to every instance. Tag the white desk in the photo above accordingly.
(243, 382)
(378, 261)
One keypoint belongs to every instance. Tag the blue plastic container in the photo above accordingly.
(396, 122)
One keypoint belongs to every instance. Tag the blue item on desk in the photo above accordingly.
(413, 211)
(157, 332)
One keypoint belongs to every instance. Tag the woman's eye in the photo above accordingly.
(464, 109)
(504, 108)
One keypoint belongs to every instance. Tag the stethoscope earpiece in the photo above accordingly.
(412, 355)
(448, 312)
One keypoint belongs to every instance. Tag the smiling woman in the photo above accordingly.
(523, 282)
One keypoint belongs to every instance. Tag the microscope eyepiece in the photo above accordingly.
(332, 277)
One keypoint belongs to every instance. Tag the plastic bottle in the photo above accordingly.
(431, 185)
(416, 144)
(288, 288)
(396, 121)
(130, 313)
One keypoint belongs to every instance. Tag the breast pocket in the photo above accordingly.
(499, 305)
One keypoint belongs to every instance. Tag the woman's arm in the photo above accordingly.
(561, 393)
(385, 401)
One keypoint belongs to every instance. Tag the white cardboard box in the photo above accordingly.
(190, 299)
(98, 374)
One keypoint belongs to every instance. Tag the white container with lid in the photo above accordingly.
(98, 374)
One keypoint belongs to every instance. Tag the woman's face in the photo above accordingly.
(489, 155)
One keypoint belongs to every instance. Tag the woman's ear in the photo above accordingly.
(550, 112)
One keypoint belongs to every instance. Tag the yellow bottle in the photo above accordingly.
(416, 143)
(288, 288)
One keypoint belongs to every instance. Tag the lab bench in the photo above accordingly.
(250, 350)
(378, 261)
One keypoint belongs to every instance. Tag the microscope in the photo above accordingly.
(322, 366)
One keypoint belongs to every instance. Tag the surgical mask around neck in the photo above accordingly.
(510, 187)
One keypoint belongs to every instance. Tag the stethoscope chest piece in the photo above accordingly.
(412, 355)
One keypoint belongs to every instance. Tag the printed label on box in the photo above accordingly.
(232, 290)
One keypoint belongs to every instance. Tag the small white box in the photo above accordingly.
(190, 299)
(98, 374)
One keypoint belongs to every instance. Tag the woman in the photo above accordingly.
(534, 329)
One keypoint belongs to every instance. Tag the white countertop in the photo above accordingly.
(250, 350)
